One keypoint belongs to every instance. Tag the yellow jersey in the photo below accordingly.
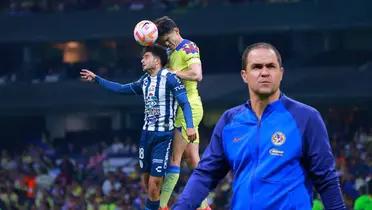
(185, 54)
(180, 59)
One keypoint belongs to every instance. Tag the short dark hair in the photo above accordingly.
(159, 52)
(256, 46)
(165, 25)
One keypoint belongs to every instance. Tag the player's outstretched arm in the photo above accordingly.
(194, 72)
(212, 167)
(130, 88)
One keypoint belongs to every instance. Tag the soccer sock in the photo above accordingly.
(170, 181)
(151, 205)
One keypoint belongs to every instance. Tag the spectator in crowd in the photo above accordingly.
(86, 191)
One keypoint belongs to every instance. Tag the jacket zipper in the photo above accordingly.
(257, 152)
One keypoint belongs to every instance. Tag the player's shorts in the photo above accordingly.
(197, 116)
(154, 151)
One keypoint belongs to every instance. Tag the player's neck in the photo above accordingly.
(154, 71)
(179, 40)
(259, 103)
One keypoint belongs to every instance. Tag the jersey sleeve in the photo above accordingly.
(133, 88)
(212, 167)
(179, 91)
(321, 164)
(191, 53)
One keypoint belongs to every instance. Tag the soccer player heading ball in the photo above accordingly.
(161, 90)
(184, 60)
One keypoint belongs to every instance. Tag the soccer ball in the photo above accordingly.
(145, 33)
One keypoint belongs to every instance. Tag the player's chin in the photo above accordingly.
(171, 46)
(266, 91)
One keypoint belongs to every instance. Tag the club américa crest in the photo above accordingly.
(278, 138)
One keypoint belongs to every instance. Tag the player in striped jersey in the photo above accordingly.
(162, 92)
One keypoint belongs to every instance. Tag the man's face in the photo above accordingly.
(171, 39)
(263, 73)
(148, 61)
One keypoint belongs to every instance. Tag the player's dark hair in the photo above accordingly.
(159, 52)
(257, 46)
(165, 25)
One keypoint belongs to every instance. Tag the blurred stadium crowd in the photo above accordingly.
(46, 175)
(21, 7)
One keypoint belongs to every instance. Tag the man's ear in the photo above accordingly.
(243, 74)
(157, 60)
(177, 30)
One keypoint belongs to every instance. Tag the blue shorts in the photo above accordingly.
(154, 151)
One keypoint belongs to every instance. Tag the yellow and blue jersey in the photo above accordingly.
(185, 54)
(180, 59)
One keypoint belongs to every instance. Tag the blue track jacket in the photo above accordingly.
(275, 161)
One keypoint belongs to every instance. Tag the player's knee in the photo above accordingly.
(154, 189)
(193, 158)
(193, 161)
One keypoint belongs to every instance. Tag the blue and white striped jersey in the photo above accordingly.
(161, 93)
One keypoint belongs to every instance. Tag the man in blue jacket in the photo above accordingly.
(277, 148)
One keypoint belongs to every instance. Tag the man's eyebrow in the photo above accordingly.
(256, 65)
(270, 64)
(260, 65)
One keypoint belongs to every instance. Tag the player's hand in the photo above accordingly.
(191, 134)
(87, 75)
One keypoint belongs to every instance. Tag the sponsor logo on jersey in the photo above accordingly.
(167, 155)
(151, 101)
(179, 87)
(152, 120)
(276, 152)
(157, 161)
(236, 139)
(190, 48)
(158, 169)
